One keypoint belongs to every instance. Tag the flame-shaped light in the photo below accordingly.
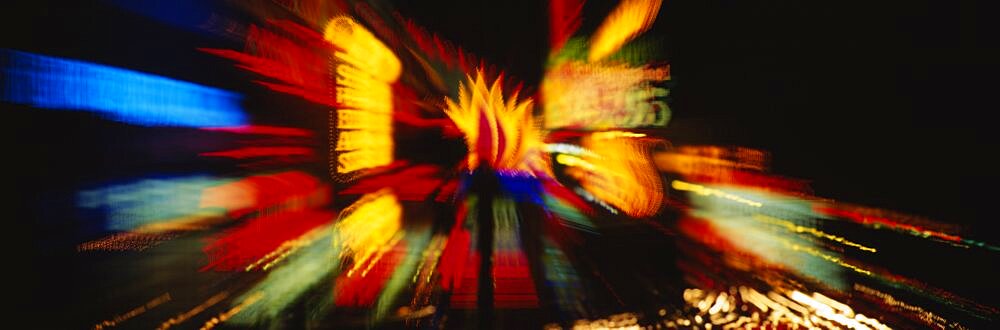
(500, 134)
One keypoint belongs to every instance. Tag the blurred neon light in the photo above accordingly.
(433, 47)
(457, 254)
(570, 149)
(262, 130)
(615, 134)
(513, 287)
(622, 176)
(367, 226)
(254, 152)
(601, 96)
(118, 319)
(356, 291)
(568, 208)
(782, 309)
(564, 20)
(180, 318)
(144, 203)
(117, 94)
(287, 282)
(362, 49)
(627, 21)
(720, 169)
(815, 232)
(364, 95)
(705, 191)
(261, 242)
(222, 317)
(736, 157)
(499, 133)
(413, 183)
(127, 241)
(925, 316)
(294, 59)
(569, 160)
(407, 270)
(287, 248)
(828, 312)
(286, 191)
(863, 218)
(368, 233)
(426, 271)
(825, 256)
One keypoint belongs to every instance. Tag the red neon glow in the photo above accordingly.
(871, 219)
(559, 191)
(253, 152)
(237, 248)
(298, 65)
(447, 191)
(751, 179)
(415, 183)
(465, 289)
(459, 269)
(361, 290)
(455, 257)
(564, 20)
(437, 49)
(512, 277)
(287, 190)
(262, 130)
(307, 36)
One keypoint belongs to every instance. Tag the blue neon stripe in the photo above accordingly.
(116, 94)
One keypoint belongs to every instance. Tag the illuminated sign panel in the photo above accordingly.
(599, 96)
(361, 136)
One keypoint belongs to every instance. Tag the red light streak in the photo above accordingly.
(237, 248)
(867, 219)
(291, 190)
(298, 65)
(564, 20)
(361, 290)
(415, 183)
(262, 130)
(253, 152)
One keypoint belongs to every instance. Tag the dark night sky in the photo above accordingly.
(884, 104)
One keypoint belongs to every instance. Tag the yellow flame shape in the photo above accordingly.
(482, 113)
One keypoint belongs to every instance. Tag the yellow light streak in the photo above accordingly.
(813, 231)
(194, 311)
(362, 49)
(367, 227)
(827, 257)
(622, 175)
(222, 317)
(118, 319)
(627, 21)
(570, 160)
(705, 191)
(286, 249)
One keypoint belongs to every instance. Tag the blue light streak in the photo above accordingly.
(116, 94)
